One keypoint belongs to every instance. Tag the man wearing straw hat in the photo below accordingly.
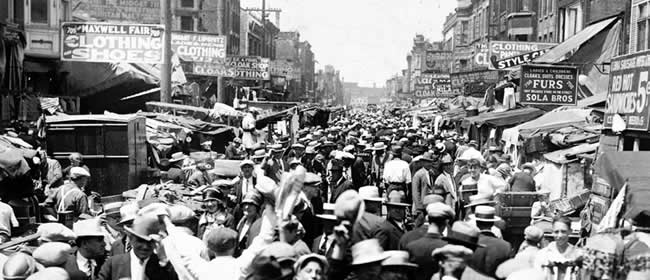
(91, 250)
(496, 251)
(392, 229)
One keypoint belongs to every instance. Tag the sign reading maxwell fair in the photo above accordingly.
(141, 11)
(627, 94)
(107, 42)
(249, 67)
(202, 51)
(507, 54)
(549, 85)
(433, 85)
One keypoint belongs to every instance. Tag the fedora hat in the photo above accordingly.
(396, 198)
(144, 227)
(349, 206)
(253, 197)
(87, 228)
(485, 213)
(276, 148)
(261, 153)
(440, 210)
(367, 251)
(451, 249)
(112, 208)
(128, 211)
(298, 146)
(480, 199)
(370, 193)
(462, 233)
(178, 156)
(398, 258)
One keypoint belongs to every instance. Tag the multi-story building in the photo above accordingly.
(299, 53)
(307, 69)
(547, 21)
(569, 18)
(255, 39)
(329, 89)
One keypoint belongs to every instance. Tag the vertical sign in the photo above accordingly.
(627, 94)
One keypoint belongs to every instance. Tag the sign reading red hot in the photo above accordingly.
(627, 94)
(549, 85)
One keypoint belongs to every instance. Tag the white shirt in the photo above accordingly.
(137, 267)
(397, 171)
(225, 266)
(488, 184)
(82, 264)
(7, 218)
(246, 185)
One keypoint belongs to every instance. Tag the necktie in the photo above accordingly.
(90, 267)
(323, 247)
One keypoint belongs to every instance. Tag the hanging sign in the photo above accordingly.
(548, 85)
(282, 68)
(249, 67)
(433, 85)
(627, 94)
(108, 42)
(508, 54)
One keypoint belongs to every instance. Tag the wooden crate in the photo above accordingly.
(516, 199)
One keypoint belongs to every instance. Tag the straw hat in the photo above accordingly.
(78, 172)
(128, 211)
(367, 251)
(398, 258)
(87, 228)
(480, 199)
(397, 198)
(485, 213)
(370, 193)
(178, 156)
(349, 206)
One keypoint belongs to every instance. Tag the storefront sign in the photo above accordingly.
(282, 68)
(506, 54)
(249, 67)
(437, 60)
(433, 85)
(458, 80)
(140, 11)
(549, 85)
(200, 51)
(107, 42)
(628, 91)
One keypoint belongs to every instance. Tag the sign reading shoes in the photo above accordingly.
(508, 54)
(107, 42)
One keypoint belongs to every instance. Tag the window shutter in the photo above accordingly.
(633, 28)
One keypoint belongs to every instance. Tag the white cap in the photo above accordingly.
(77, 172)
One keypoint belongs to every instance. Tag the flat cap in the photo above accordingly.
(440, 210)
(221, 239)
(52, 253)
(51, 232)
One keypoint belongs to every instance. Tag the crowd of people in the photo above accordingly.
(373, 196)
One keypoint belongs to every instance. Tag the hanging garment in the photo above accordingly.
(509, 98)
(7, 107)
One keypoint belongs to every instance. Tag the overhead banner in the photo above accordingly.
(627, 94)
(249, 67)
(108, 42)
(548, 85)
(508, 54)
(433, 85)
(140, 11)
(201, 51)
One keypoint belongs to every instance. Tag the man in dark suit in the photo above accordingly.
(438, 215)
(392, 229)
(140, 263)
(370, 222)
(339, 183)
(324, 243)
(496, 251)
(91, 252)
(420, 231)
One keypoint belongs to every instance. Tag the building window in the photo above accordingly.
(187, 23)
(187, 3)
(39, 11)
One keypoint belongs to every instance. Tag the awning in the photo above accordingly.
(506, 118)
(563, 50)
(616, 169)
(551, 120)
(592, 100)
(570, 154)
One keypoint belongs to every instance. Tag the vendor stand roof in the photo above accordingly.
(505, 118)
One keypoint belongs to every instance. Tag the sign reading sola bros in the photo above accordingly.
(106, 42)
(627, 95)
(549, 85)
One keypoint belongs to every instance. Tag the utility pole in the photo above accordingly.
(221, 26)
(166, 71)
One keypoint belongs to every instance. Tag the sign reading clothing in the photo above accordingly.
(549, 85)
(106, 42)
(433, 85)
(627, 94)
(507, 54)
(202, 51)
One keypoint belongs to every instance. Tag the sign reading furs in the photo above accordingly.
(549, 85)
(627, 94)
(508, 54)
(433, 85)
(107, 42)
(202, 51)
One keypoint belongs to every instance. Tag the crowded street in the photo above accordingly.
(401, 140)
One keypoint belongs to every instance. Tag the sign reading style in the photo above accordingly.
(141, 11)
(627, 94)
(107, 42)
(549, 85)
(433, 85)
(204, 52)
(507, 54)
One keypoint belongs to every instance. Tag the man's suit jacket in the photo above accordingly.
(359, 175)
(339, 188)
(73, 269)
(411, 236)
(487, 259)
(119, 267)
(367, 227)
(315, 247)
(420, 253)
(389, 235)
(422, 185)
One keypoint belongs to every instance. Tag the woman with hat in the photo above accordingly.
(215, 212)
(251, 204)
(311, 267)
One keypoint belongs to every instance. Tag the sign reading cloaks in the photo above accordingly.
(549, 85)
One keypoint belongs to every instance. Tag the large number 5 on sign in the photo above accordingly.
(642, 92)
